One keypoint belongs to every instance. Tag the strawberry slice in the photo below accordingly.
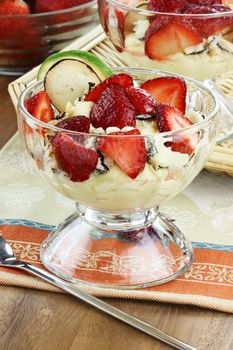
(124, 80)
(113, 108)
(170, 39)
(169, 90)
(170, 118)
(54, 5)
(167, 5)
(209, 26)
(143, 102)
(157, 23)
(129, 153)
(103, 16)
(79, 123)
(40, 107)
(77, 161)
(204, 2)
(116, 30)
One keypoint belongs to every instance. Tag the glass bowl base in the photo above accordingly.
(80, 252)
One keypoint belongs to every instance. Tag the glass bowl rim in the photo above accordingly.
(194, 127)
(51, 13)
(120, 4)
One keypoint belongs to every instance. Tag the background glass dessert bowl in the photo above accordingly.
(31, 30)
(117, 237)
(193, 38)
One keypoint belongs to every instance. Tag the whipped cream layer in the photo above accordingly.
(164, 175)
(202, 65)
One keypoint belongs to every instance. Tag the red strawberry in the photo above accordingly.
(12, 29)
(204, 2)
(13, 7)
(124, 80)
(169, 90)
(103, 16)
(79, 123)
(157, 23)
(142, 101)
(170, 118)
(209, 26)
(129, 153)
(39, 106)
(55, 5)
(170, 39)
(113, 109)
(116, 31)
(121, 30)
(77, 161)
(167, 5)
(196, 9)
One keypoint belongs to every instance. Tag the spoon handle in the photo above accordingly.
(107, 308)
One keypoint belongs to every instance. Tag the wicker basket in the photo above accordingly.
(95, 41)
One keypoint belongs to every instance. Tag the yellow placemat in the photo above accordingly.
(30, 208)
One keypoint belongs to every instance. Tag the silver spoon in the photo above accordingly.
(8, 259)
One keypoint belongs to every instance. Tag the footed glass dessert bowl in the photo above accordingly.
(193, 38)
(119, 176)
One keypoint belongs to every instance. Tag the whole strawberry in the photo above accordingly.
(113, 109)
(167, 5)
(55, 5)
(77, 161)
(13, 7)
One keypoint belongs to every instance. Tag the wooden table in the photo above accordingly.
(35, 320)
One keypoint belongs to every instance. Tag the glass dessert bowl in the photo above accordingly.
(27, 39)
(177, 36)
(118, 178)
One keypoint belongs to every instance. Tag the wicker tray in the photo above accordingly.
(95, 41)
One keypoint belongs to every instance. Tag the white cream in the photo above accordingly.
(115, 191)
(79, 108)
(194, 65)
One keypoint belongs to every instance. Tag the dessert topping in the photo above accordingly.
(77, 161)
(170, 39)
(143, 102)
(39, 106)
(170, 90)
(124, 80)
(78, 123)
(170, 118)
(129, 153)
(113, 108)
(167, 5)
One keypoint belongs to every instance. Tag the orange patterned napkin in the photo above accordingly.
(30, 208)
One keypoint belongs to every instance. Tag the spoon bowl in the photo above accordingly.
(7, 256)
